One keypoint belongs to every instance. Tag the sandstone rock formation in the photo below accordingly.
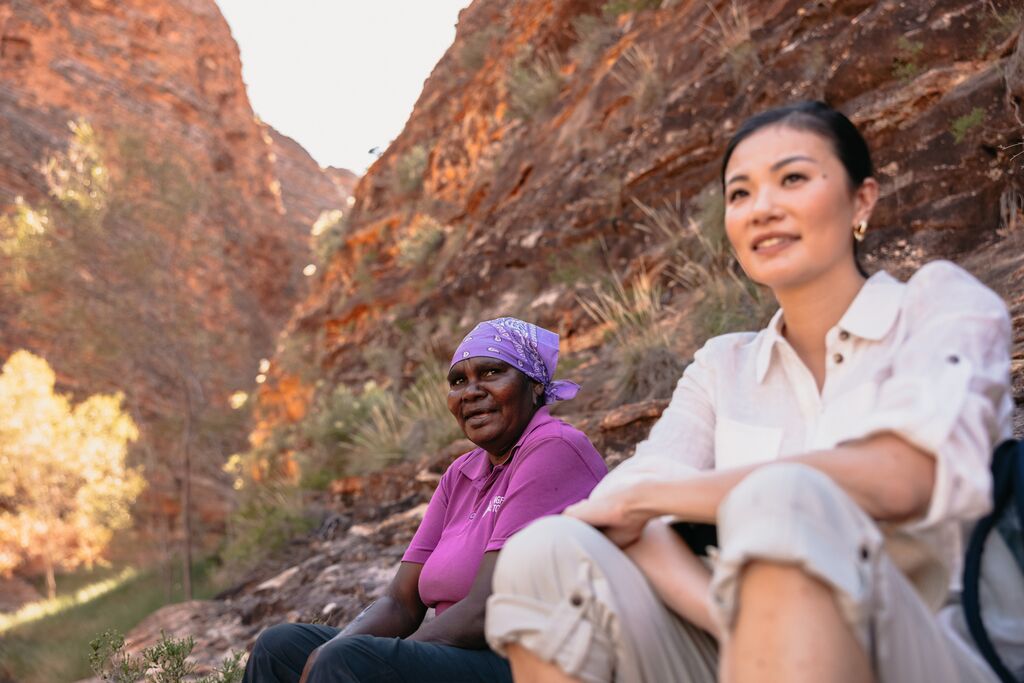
(160, 82)
(525, 189)
(536, 192)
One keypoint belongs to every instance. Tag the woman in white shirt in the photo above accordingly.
(839, 451)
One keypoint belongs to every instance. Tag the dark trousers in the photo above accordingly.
(280, 654)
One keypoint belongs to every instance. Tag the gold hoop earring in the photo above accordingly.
(860, 230)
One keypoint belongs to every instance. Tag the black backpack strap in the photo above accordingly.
(1007, 474)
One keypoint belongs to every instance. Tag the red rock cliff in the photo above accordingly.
(161, 84)
(526, 184)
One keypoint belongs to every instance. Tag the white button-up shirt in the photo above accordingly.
(928, 360)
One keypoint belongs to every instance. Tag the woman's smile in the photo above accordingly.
(478, 418)
(773, 243)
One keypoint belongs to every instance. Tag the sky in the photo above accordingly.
(339, 76)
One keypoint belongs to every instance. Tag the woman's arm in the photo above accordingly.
(677, 575)
(395, 614)
(888, 477)
(462, 624)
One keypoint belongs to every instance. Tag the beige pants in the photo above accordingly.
(567, 594)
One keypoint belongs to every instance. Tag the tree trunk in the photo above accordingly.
(166, 566)
(186, 504)
(51, 580)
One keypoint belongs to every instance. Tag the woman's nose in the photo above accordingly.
(763, 206)
(472, 390)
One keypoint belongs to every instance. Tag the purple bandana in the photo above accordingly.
(530, 349)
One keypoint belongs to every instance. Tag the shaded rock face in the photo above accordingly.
(641, 111)
(164, 79)
(526, 189)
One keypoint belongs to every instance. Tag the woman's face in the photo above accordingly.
(492, 402)
(789, 209)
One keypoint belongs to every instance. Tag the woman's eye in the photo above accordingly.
(490, 372)
(793, 178)
(737, 194)
(455, 382)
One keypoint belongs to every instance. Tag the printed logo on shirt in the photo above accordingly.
(495, 505)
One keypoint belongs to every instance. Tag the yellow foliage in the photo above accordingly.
(64, 484)
(78, 177)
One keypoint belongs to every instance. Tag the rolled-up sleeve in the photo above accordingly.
(949, 391)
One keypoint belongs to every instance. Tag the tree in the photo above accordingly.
(64, 485)
(119, 276)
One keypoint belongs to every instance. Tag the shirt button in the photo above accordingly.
(576, 600)
(843, 335)
(838, 358)
(954, 359)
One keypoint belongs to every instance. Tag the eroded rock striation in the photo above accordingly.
(549, 126)
(228, 201)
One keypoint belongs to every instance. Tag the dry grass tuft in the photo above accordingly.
(645, 364)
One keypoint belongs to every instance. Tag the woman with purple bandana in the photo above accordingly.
(527, 464)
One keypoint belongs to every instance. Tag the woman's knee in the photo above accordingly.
(276, 639)
(345, 659)
(782, 487)
(795, 516)
(544, 545)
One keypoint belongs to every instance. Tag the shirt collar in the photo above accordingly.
(770, 336)
(875, 309)
(870, 316)
(477, 467)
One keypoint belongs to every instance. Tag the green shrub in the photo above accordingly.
(581, 263)
(425, 236)
(698, 249)
(165, 662)
(533, 85)
(594, 35)
(905, 66)
(700, 259)
(638, 73)
(962, 125)
(49, 641)
(732, 304)
(268, 517)
(329, 233)
(409, 169)
(998, 25)
(645, 365)
(613, 8)
(730, 34)
(404, 426)
(475, 48)
(78, 177)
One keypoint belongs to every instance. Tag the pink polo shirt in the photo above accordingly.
(477, 506)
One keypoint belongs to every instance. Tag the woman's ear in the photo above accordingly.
(864, 200)
(538, 394)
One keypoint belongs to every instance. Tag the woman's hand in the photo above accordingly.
(615, 513)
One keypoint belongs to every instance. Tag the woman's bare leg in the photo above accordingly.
(528, 668)
(789, 628)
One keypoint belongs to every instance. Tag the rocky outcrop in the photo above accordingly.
(536, 195)
(160, 82)
(548, 122)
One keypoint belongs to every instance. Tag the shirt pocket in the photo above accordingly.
(739, 443)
